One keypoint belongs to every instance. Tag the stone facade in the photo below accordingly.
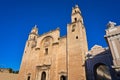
(51, 57)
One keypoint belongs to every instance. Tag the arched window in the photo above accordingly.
(73, 28)
(101, 72)
(75, 11)
(43, 76)
(63, 77)
(75, 19)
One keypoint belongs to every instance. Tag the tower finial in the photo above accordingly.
(35, 26)
(76, 9)
(76, 6)
(76, 14)
(34, 30)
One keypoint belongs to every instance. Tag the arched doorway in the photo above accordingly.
(28, 78)
(101, 72)
(43, 76)
(63, 77)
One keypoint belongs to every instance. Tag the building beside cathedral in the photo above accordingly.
(51, 57)
(103, 63)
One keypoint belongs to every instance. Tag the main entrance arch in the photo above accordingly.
(101, 72)
(43, 76)
(63, 77)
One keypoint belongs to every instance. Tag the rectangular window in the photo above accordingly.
(46, 51)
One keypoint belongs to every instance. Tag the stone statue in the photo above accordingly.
(111, 24)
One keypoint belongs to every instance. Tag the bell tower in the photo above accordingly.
(28, 56)
(34, 33)
(76, 46)
(76, 14)
(33, 36)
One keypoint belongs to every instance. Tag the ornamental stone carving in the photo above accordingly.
(47, 41)
(111, 24)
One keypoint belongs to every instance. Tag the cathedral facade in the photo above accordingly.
(51, 57)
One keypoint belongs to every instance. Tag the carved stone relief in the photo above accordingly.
(47, 41)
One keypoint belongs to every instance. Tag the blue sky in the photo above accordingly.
(17, 17)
